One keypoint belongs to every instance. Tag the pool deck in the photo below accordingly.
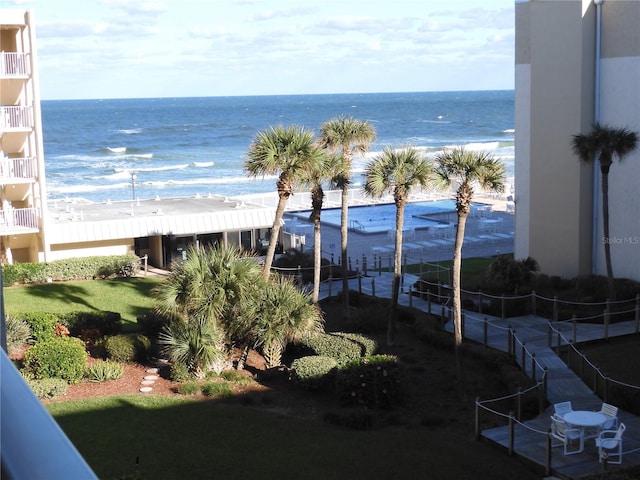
(486, 234)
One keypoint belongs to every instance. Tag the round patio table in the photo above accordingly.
(585, 418)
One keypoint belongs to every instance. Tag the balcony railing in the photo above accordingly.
(14, 64)
(16, 117)
(18, 220)
(17, 168)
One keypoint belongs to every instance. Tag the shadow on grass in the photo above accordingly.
(249, 436)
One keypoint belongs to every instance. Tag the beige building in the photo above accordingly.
(33, 230)
(577, 62)
(22, 181)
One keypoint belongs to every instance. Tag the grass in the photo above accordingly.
(176, 439)
(130, 297)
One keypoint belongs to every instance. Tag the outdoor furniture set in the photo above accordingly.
(570, 427)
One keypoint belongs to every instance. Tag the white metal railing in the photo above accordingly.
(16, 117)
(14, 64)
(14, 219)
(26, 167)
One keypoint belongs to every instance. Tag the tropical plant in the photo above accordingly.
(18, 332)
(291, 152)
(602, 144)
(214, 285)
(283, 315)
(197, 344)
(398, 171)
(467, 169)
(508, 275)
(346, 136)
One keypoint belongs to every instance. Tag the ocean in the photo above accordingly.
(119, 149)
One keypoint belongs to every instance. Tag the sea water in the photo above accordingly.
(118, 149)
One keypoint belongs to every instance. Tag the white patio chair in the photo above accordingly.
(611, 413)
(562, 408)
(566, 435)
(609, 444)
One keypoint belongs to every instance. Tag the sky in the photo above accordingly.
(178, 48)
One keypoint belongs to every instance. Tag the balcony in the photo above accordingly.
(18, 170)
(16, 118)
(14, 65)
(16, 221)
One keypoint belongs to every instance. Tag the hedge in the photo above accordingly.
(84, 268)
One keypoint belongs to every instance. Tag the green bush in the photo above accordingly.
(41, 325)
(84, 268)
(314, 372)
(18, 333)
(151, 323)
(58, 357)
(370, 382)
(127, 348)
(48, 387)
(179, 372)
(103, 370)
(108, 323)
(216, 389)
(340, 346)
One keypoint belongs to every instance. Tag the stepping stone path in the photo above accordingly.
(149, 380)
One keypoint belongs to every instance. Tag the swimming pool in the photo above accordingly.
(372, 219)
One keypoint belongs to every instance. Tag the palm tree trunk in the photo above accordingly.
(243, 358)
(275, 232)
(397, 274)
(317, 260)
(605, 231)
(344, 232)
(457, 303)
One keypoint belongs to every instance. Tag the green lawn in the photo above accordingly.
(129, 296)
(178, 439)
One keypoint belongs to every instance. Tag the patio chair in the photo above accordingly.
(566, 435)
(611, 413)
(609, 444)
(562, 408)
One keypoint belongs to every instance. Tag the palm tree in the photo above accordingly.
(603, 143)
(206, 295)
(347, 136)
(283, 316)
(329, 173)
(290, 152)
(398, 171)
(466, 169)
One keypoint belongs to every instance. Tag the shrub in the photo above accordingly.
(127, 348)
(151, 323)
(179, 372)
(103, 370)
(314, 372)
(335, 345)
(84, 268)
(108, 323)
(214, 389)
(188, 388)
(58, 357)
(42, 325)
(370, 382)
(48, 387)
(18, 333)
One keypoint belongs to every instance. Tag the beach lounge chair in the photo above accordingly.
(611, 413)
(562, 408)
(609, 444)
(566, 435)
